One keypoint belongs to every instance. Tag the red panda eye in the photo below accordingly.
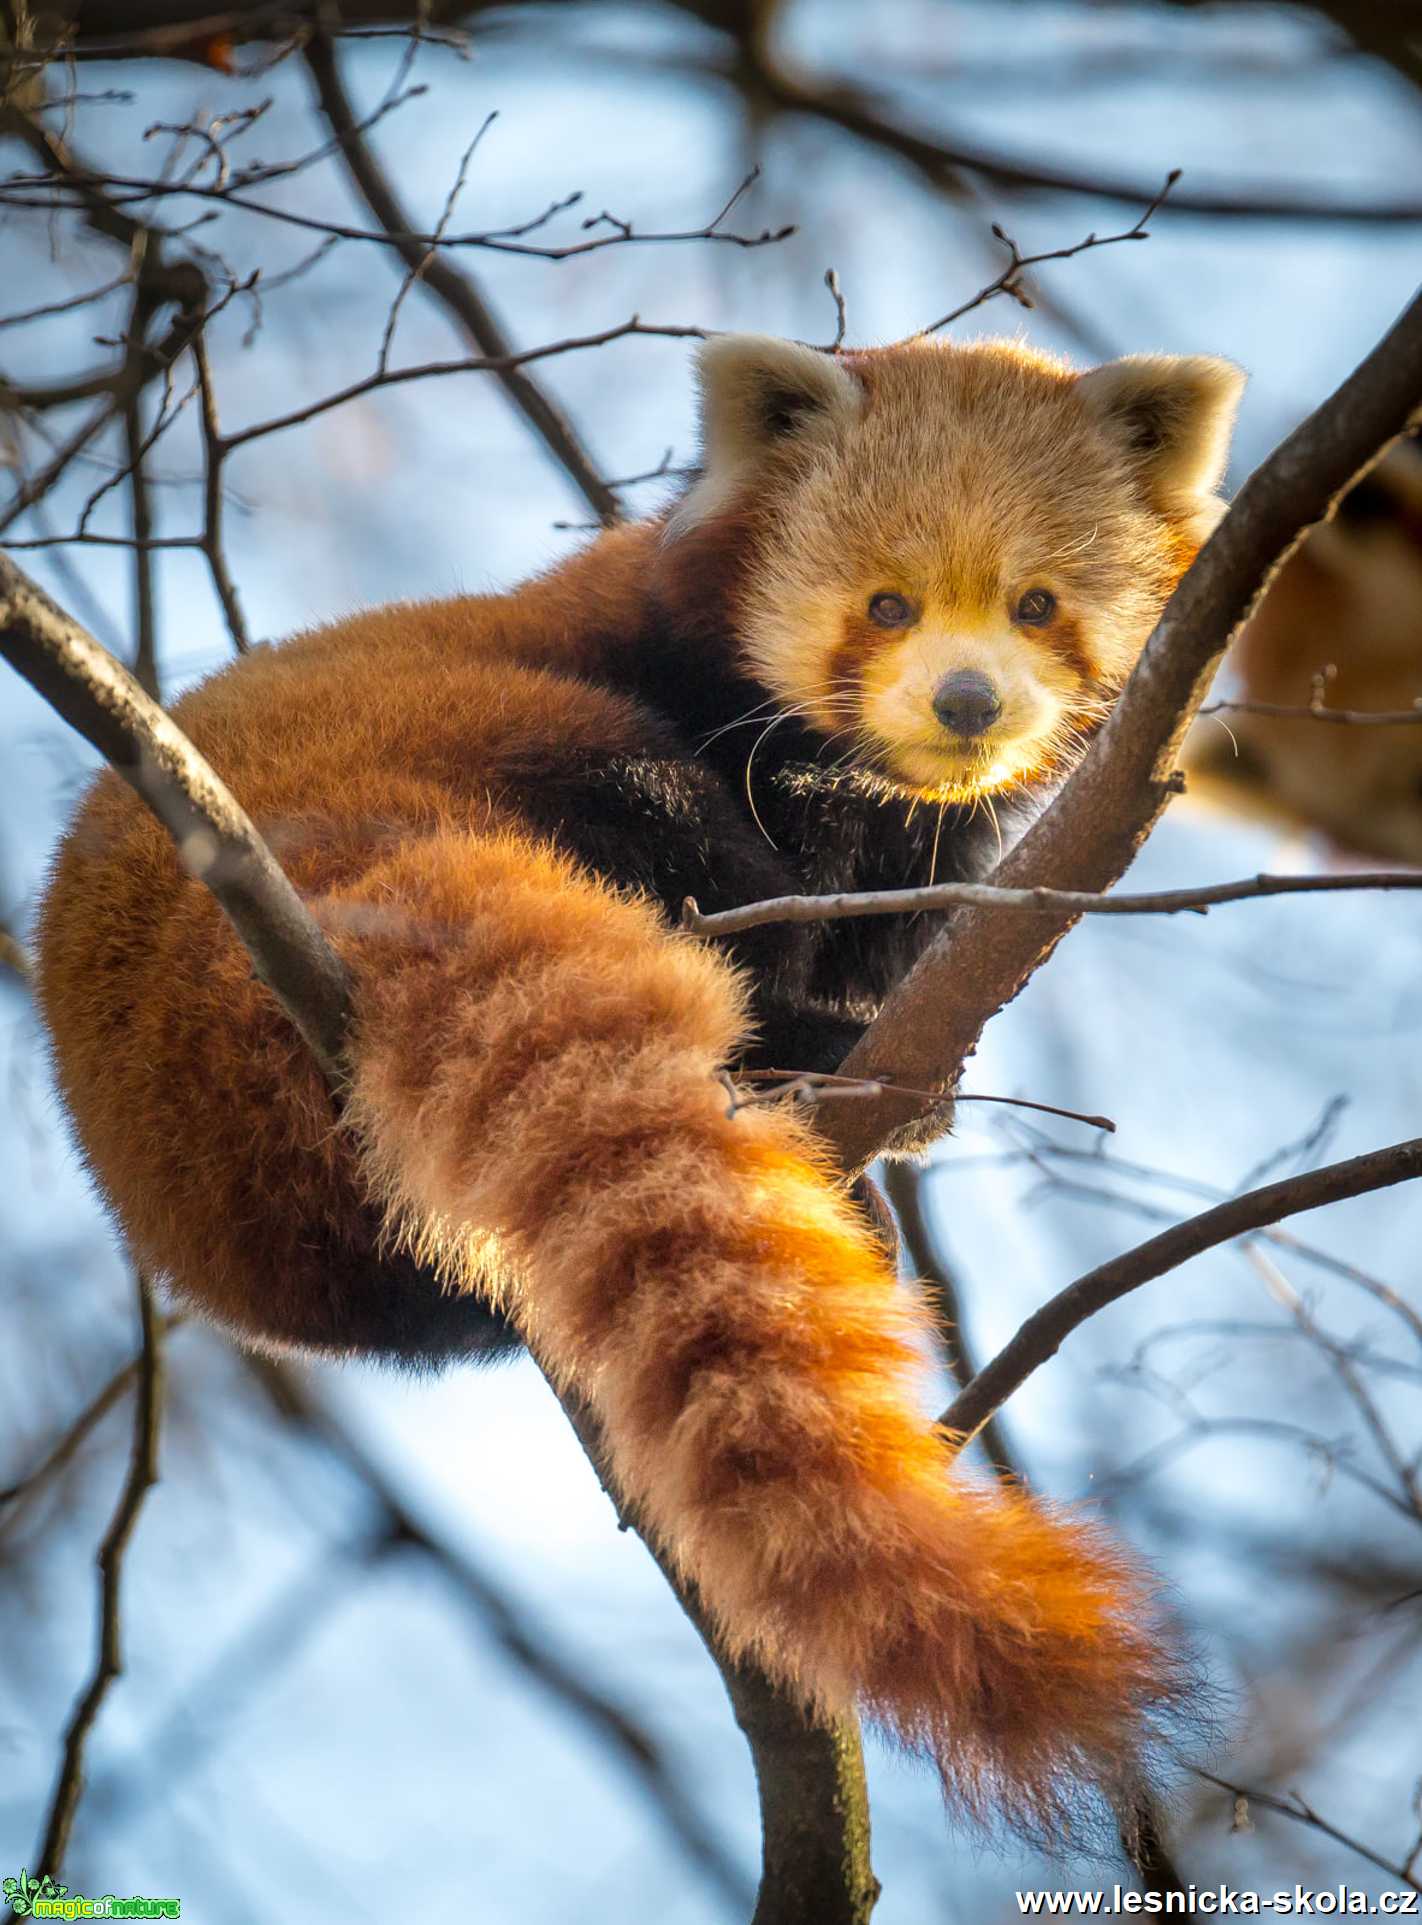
(891, 611)
(1037, 606)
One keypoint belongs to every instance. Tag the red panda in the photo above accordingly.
(906, 583)
(1347, 605)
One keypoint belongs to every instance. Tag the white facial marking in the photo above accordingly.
(899, 688)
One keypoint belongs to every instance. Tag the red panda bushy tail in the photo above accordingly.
(534, 1087)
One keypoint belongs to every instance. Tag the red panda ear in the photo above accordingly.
(1172, 415)
(757, 393)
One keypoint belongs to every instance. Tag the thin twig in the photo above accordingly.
(1319, 712)
(15, 958)
(987, 895)
(1010, 280)
(1346, 1370)
(817, 1086)
(841, 313)
(506, 1620)
(468, 364)
(1297, 1808)
(1141, 1837)
(145, 618)
(66, 1446)
(67, 306)
(43, 191)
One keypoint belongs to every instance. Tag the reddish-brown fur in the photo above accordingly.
(532, 1111)
(1347, 605)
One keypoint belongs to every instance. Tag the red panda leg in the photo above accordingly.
(533, 1083)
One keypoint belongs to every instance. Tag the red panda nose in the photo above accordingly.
(967, 703)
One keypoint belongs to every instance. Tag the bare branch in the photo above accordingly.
(13, 957)
(507, 1621)
(145, 615)
(1073, 902)
(1141, 1840)
(1010, 279)
(142, 1475)
(470, 364)
(215, 450)
(67, 306)
(67, 1445)
(841, 312)
(216, 840)
(41, 192)
(814, 1803)
(1346, 1369)
(1044, 1332)
(1296, 1807)
(1319, 712)
(819, 1086)
(944, 162)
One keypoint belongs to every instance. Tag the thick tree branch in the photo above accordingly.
(1044, 1332)
(1085, 840)
(215, 838)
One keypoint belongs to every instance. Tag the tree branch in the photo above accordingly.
(216, 840)
(142, 1475)
(1010, 280)
(988, 895)
(1141, 1837)
(1044, 1332)
(1295, 1807)
(943, 162)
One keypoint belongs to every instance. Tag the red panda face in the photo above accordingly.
(949, 558)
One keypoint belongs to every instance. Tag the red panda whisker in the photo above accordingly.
(739, 722)
(756, 714)
(770, 728)
(933, 852)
